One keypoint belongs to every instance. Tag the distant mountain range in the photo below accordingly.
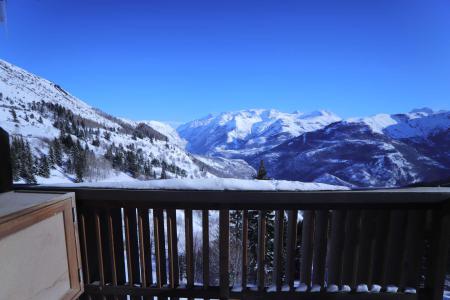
(378, 151)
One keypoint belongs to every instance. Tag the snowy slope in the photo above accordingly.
(167, 130)
(418, 123)
(354, 155)
(216, 184)
(249, 131)
(35, 102)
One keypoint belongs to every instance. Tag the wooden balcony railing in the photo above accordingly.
(256, 245)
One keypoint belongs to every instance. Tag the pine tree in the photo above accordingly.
(57, 152)
(262, 173)
(15, 159)
(51, 156)
(163, 172)
(44, 167)
(79, 161)
(14, 115)
(27, 170)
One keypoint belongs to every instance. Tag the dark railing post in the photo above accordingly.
(5, 163)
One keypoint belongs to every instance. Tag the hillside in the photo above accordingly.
(59, 138)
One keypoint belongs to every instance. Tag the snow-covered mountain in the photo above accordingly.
(379, 151)
(247, 132)
(46, 116)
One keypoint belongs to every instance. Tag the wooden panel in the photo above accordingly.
(172, 240)
(205, 247)
(224, 255)
(160, 252)
(336, 247)
(350, 248)
(307, 247)
(52, 232)
(278, 248)
(320, 247)
(291, 243)
(28, 254)
(261, 253)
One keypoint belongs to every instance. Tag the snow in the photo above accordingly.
(417, 123)
(302, 287)
(375, 288)
(252, 129)
(392, 289)
(333, 288)
(214, 184)
(316, 288)
(167, 130)
(362, 288)
(346, 288)
(20, 88)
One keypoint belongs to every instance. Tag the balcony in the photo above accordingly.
(389, 244)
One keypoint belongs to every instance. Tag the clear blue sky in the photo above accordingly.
(179, 60)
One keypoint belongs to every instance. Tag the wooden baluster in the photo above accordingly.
(160, 250)
(395, 247)
(189, 248)
(205, 247)
(98, 236)
(336, 247)
(291, 243)
(84, 248)
(414, 248)
(131, 243)
(379, 247)
(366, 235)
(307, 247)
(320, 247)
(261, 254)
(224, 254)
(174, 274)
(350, 247)
(244, 248)
(278, 248)
(115, 247)
(145, 248)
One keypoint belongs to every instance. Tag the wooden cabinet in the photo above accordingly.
(39, 248)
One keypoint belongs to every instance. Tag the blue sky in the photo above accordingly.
(179, 60)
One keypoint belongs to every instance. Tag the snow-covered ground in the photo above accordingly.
(216, 184)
